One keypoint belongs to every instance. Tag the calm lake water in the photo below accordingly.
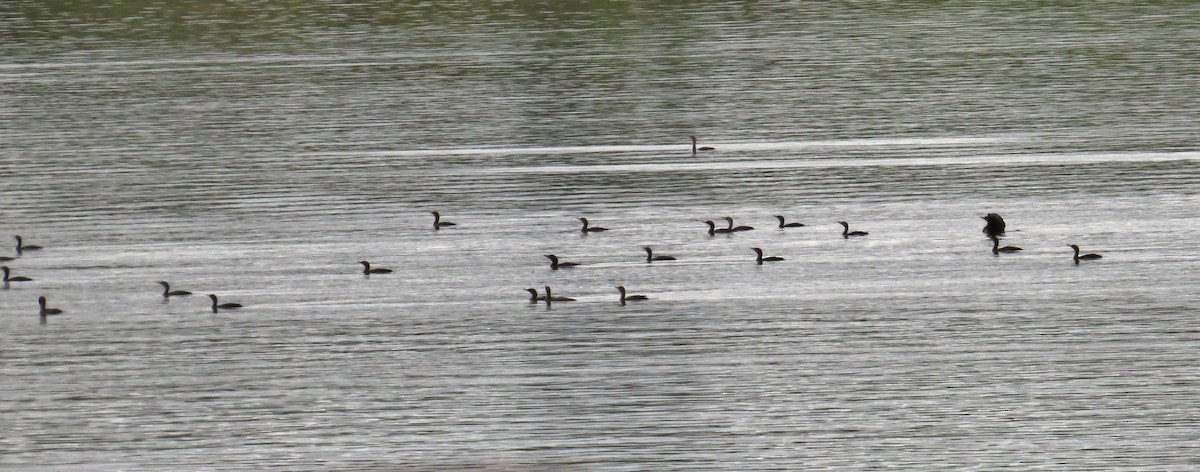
(259, 151)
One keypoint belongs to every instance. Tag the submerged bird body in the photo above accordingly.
(22, 247)
(650, 257)
(167, 292)
(787, 225)
(846, 233)
(224, 306)
(590, 229)
(367, 270)
(13, 279)
(555, 264)
(630, 298)
(43, 310)
(437, 221)
(760, 259)
(1085, 257)
(996, 249)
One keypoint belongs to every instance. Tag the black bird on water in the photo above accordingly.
(8, 279)
(760, 259)
(534, 297)
(223, 306)
(734, 229)
(590, 229)
(23, 247)
(630, 298)
(43, 310)
(368, 270)
(846, 233)
(713, 230)
(787, 225)
(167, 292)
(1085, 257)
(555, 264)
(995, 224)
(437, 221)
(551, 298)
(996, 249)
(650, 257)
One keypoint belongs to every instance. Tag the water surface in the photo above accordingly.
(259, 152)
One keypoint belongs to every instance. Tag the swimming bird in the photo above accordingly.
(593, 229)
(367, 270)
(630, 298)
(43, 310)
(22, 247)
(846, 233)
(224, 306)
(650, 257)
(712, 228)
(167, 292)
(787, 225)
(762, 259)
(996, 249)
(551, 298)
(1085, 257)
(7, 258)
(995, 224)
(8, 279)
(733, 229)
(701, 148)
(555, 264)
(437, 221)
(534, 297)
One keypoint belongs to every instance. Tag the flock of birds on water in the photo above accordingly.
(994, 227)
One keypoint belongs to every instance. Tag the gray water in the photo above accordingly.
(257, 152)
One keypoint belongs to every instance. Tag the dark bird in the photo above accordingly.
(994, 226)
(167, 292)
(1085, 257)
(551, 298)
(43, 310)
(555, 265)
(534, 297)
(733, 229)
(712, 228)
(224, 306)
(367, 270)
(8, 279)
(650, 257)
(701, 148)
(996, 249)
(630, 298)
(7, 258)
(762, 259)
(437, 221)
(22, 247)
(593, 229)
(846, 233)
(787, 225)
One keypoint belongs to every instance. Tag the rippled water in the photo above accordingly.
(258, 152)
